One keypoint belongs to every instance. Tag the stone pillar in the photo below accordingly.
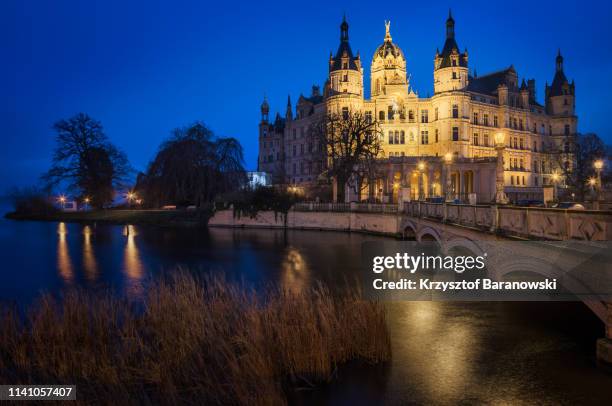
(604, 345)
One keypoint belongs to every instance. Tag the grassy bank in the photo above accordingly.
(150, 217)
(208, 341)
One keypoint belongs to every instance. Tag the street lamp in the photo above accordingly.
(500, 145)
(555, 178)
(421, 168)
(62, 200)
(86, 200)
(599, 164)
(130, 197)
(448, 160)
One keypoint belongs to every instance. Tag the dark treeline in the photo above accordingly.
(192, 167)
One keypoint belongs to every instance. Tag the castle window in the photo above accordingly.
(344, 65)
(485, 119)
(390, 137)
(455, 111)
(522, 144)
(294, 133)
(535, 179)
(390, 112)
(567, 129)
(424, 116)
(411, 116)
(524, 180)
(535, 146)
(294, 150)
(294, 168)
(542, 129)
(455, 133)
(476, 139)
(346, 78)
(550, 130)
(454, 73)
(381, 115)
(437, 138)
(495, 122)
(522, 164)
(424, 137)
(512, 180)
(368, 117)
(345, 113)
(475, 118)
(397, 139)
(521, 124)
(436, 114)
(301, 149)
(402, 137)
(485, 140)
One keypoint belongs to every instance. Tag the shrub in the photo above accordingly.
(31, 201)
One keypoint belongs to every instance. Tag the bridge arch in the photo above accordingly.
(429, 234)
(408, 230)
(548, 270)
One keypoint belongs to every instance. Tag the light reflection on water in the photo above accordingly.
(90, 265)
(64, 261)
(132, 264)
(443, 353)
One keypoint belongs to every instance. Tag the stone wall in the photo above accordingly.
(340, 221)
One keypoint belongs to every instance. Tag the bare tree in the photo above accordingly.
(353, 144)
(86, 160)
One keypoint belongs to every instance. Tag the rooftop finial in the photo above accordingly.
(559, 61)
(344, 29)
(450, 25)
(388, 30)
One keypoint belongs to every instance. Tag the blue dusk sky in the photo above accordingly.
(146, 67)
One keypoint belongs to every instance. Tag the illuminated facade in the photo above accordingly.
(462, 118)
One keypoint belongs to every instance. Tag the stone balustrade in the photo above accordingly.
(525, 222)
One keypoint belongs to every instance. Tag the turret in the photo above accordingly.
(289, 112)
(450, 66)
(265, 110)
(524, 91)
(345, 71)
(560, 95)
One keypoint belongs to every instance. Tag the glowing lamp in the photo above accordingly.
(592, 181)
(421, 166)
(556, 177)
(448, 157)
(500, 138)
(599, 164)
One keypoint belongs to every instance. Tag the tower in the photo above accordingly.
(289, 111)
(560, 95)
(388, 70)
(345, 71)
(450, 66)
(265, 110)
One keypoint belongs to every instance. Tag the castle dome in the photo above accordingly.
(388, 47)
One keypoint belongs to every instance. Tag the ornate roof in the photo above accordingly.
(450, 46)
(388, 47)
(344, 51)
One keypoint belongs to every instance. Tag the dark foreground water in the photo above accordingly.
(443, 353)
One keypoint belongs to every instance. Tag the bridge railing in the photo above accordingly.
(525, 222)
(346, 207)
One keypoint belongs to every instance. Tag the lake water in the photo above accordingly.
(443, 353)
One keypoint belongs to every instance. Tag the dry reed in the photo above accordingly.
(201, 340)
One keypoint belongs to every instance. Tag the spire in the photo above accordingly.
(559, 61)
(289, 113)
(388, 31)
(450, 25)
(344, 29)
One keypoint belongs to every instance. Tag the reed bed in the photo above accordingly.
(193, 340)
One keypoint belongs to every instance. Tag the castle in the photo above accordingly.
(465, 121)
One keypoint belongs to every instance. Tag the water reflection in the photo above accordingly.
(132, 263)
(90, 266)
(64, 262)
(295, 274)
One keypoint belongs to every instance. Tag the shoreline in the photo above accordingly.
(163, 218)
